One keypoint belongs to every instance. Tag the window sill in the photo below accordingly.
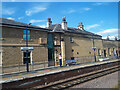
(2, 39)
(31, 40)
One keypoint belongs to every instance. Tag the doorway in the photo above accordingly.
(104, 53)
(117, 53)
(25, 57)
(50, 50)
(0, 58)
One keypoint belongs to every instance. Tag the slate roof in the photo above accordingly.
(8, 22)
(54, 28)
(81, 31)
(57, 28)
(72, 30)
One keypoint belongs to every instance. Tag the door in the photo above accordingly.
(0, 58)
(50, 50)
(104, 53)
(25, 57)
(117, 53)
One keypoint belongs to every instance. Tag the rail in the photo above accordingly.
(78, 79)
(57, 78)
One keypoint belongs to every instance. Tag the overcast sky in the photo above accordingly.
(98, 17)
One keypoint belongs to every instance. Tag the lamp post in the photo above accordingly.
(27, 64)
(94, 48)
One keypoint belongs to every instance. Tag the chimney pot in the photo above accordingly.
(108, 38)
(64, 23)
(49, 19)
(49, 22)
(116, 38)
(80, 26)
(63, 19)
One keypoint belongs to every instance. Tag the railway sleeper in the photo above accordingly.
(85, 79)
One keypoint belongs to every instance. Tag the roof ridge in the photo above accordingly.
(13, 20)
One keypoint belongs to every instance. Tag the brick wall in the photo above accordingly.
(13, 41)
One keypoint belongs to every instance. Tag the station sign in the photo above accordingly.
(27, 48)
(93, 47)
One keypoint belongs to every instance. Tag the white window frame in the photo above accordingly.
(31, 58)
(1, 59)
(109, 51)
(99, 52)
(114, 51)
(71, 39)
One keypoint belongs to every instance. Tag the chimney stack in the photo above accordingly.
(49, 23)
(115, 38)
(80, 26)
(64, 23)
(108, 38)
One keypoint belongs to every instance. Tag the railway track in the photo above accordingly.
(63, 79)
(64, 84)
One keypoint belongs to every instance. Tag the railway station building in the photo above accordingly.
(47, 43)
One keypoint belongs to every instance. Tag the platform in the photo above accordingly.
(46, 71)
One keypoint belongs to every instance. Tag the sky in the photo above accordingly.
(97, 17)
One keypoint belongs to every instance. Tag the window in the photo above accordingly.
(0, 35)
(108, 51)
(89, 52)
(71, 39)
(0, 32)
(99, 53)
(0, 58)
(72, 50)
(25, 57)
(28, 34)
(114, 51)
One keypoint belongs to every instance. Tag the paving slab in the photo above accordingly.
(46, 71)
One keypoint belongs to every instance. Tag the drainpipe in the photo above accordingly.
(63, 50)
(94, 48)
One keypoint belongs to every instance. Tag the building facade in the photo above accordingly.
(49, 42)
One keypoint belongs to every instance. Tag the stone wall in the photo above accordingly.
(13, 41)
(111, 44)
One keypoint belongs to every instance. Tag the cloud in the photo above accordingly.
(86, 9)
(81, 10)
(34, 10)
(71, 11)
(112, 33)
(101, 3)
(20, 18)
(13, 0)
(110, 37)
(98, 4)
(43, 26)
(11, 18)
(35, 21)
(7, 11)
(92, 26)
(108, 31)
